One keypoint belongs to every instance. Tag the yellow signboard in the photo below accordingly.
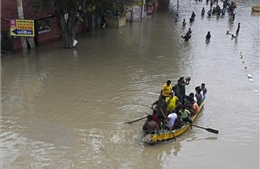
(21, 27)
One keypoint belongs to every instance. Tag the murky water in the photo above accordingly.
(65, 108)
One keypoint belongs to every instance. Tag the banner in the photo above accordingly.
(21, 27)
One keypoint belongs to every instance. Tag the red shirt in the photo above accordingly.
(155, 118)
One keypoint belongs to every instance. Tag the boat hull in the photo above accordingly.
(164, 136)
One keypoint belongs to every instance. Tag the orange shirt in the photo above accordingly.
(195, 108)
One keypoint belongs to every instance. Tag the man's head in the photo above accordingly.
(202, 85)
(198, 89)
(168, 82)
(181, 80)
(182, 107)
(149, 117)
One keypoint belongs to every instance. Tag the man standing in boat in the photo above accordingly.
(180, 90)
(203, 90)
(166, 89)
(172, 101)
(161, 107)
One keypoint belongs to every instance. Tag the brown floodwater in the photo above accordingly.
(66, 108)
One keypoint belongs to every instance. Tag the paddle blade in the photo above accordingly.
(212, 130)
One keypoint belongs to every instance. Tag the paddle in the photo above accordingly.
(130, 122)
(208, 129)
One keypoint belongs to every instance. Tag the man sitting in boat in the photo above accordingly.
(170, 121)
(178, 122)
(150, 126)
(185, 114)
(191, 96)
(161, 107)
(194, 108)
(155, 116)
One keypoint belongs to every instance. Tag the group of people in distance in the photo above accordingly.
(174, 108)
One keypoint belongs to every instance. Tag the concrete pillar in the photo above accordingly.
(21, 16)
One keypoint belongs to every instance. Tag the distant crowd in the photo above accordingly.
(214, 9)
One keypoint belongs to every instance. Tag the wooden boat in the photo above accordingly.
(256, 8)
(167, 135)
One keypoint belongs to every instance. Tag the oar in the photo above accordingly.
(208, 129)
(130, 122)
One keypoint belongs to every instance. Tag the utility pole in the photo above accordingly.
(21, 16)
(143, 4)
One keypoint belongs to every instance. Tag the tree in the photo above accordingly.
(70, 13)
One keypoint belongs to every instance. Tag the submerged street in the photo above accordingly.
(66, 108)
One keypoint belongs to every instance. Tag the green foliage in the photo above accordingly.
(41, 4)
(106, 8)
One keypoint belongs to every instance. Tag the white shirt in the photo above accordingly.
(172, 117)
(202, 95)
(195, 99)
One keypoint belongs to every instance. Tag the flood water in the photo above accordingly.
(65, 108)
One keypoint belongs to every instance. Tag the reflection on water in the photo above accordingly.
(55, 100)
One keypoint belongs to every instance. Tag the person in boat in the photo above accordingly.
(150, 126)
(161, 107)
(182, 83)
(155, 116)
(178, 107)
(203, 90)
(185, 115)
(172, 101)
(194, 108)
(183, 22)
(192, 96)
(198, 95)
(178, 122)
(166, 89)
(170, 121)
(208, 36)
